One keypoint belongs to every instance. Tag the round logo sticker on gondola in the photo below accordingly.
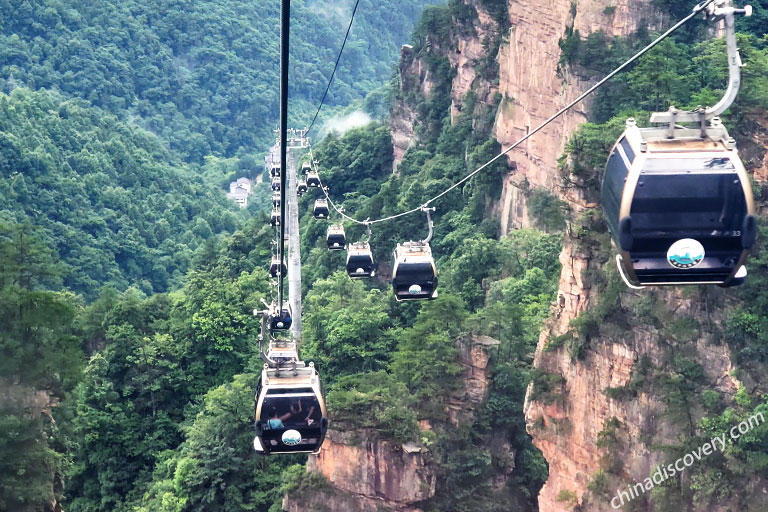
(685, 253)
(291, 437)
(414, 289)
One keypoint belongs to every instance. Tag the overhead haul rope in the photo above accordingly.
(696, 10)
(335, 66)
(285, 27)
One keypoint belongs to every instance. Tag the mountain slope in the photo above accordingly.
(109, 198)
(202, 75)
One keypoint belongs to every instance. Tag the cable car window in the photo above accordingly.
(359, 260)
(292, 391)
(709, 204)
(613, 188)
(279, 412)
(624, 143)
(414, 271)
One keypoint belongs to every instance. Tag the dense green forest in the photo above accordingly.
(202, 75)
(116, 206)
(127, 282)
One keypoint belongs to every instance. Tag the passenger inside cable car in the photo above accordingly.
(291, 412)
(281, 321)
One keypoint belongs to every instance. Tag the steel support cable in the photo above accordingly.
(335, 66)
(696, 10)
(285, 27)
(328, 197)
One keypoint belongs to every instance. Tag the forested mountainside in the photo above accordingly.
(536, 381)
(107, 197)
(202, 75)
(141, 111)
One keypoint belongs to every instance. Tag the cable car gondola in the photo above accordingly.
(276, 199)
(276, 267)
(336, 237)
(275, 171)
(301, 188)
(280, 321)
(313, 179)
(321, 209)
(274, 219)
(290, 410)
(360, 262)
(306, 167)
(276, 184)
(678, 200)
(414, 276)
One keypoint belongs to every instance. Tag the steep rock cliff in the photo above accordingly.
(471, 43)
(571, 420)
(364, 473)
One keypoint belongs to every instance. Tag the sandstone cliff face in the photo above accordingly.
(367, 474)
(533, 88)
(463, 53)
(567, 426)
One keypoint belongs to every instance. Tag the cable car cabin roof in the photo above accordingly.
(658, 194)
(413, 250)
(286, 378)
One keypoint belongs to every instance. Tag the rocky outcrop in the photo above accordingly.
(34, 403)
(568, 422)
(474, 356)
(413, 78)
(368, 474)
(416, 83)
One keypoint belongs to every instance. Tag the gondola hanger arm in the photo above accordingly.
(715, 10)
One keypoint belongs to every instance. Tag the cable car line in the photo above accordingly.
(290, 410)
(696, 10)
(338, 58)
(285, 27)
